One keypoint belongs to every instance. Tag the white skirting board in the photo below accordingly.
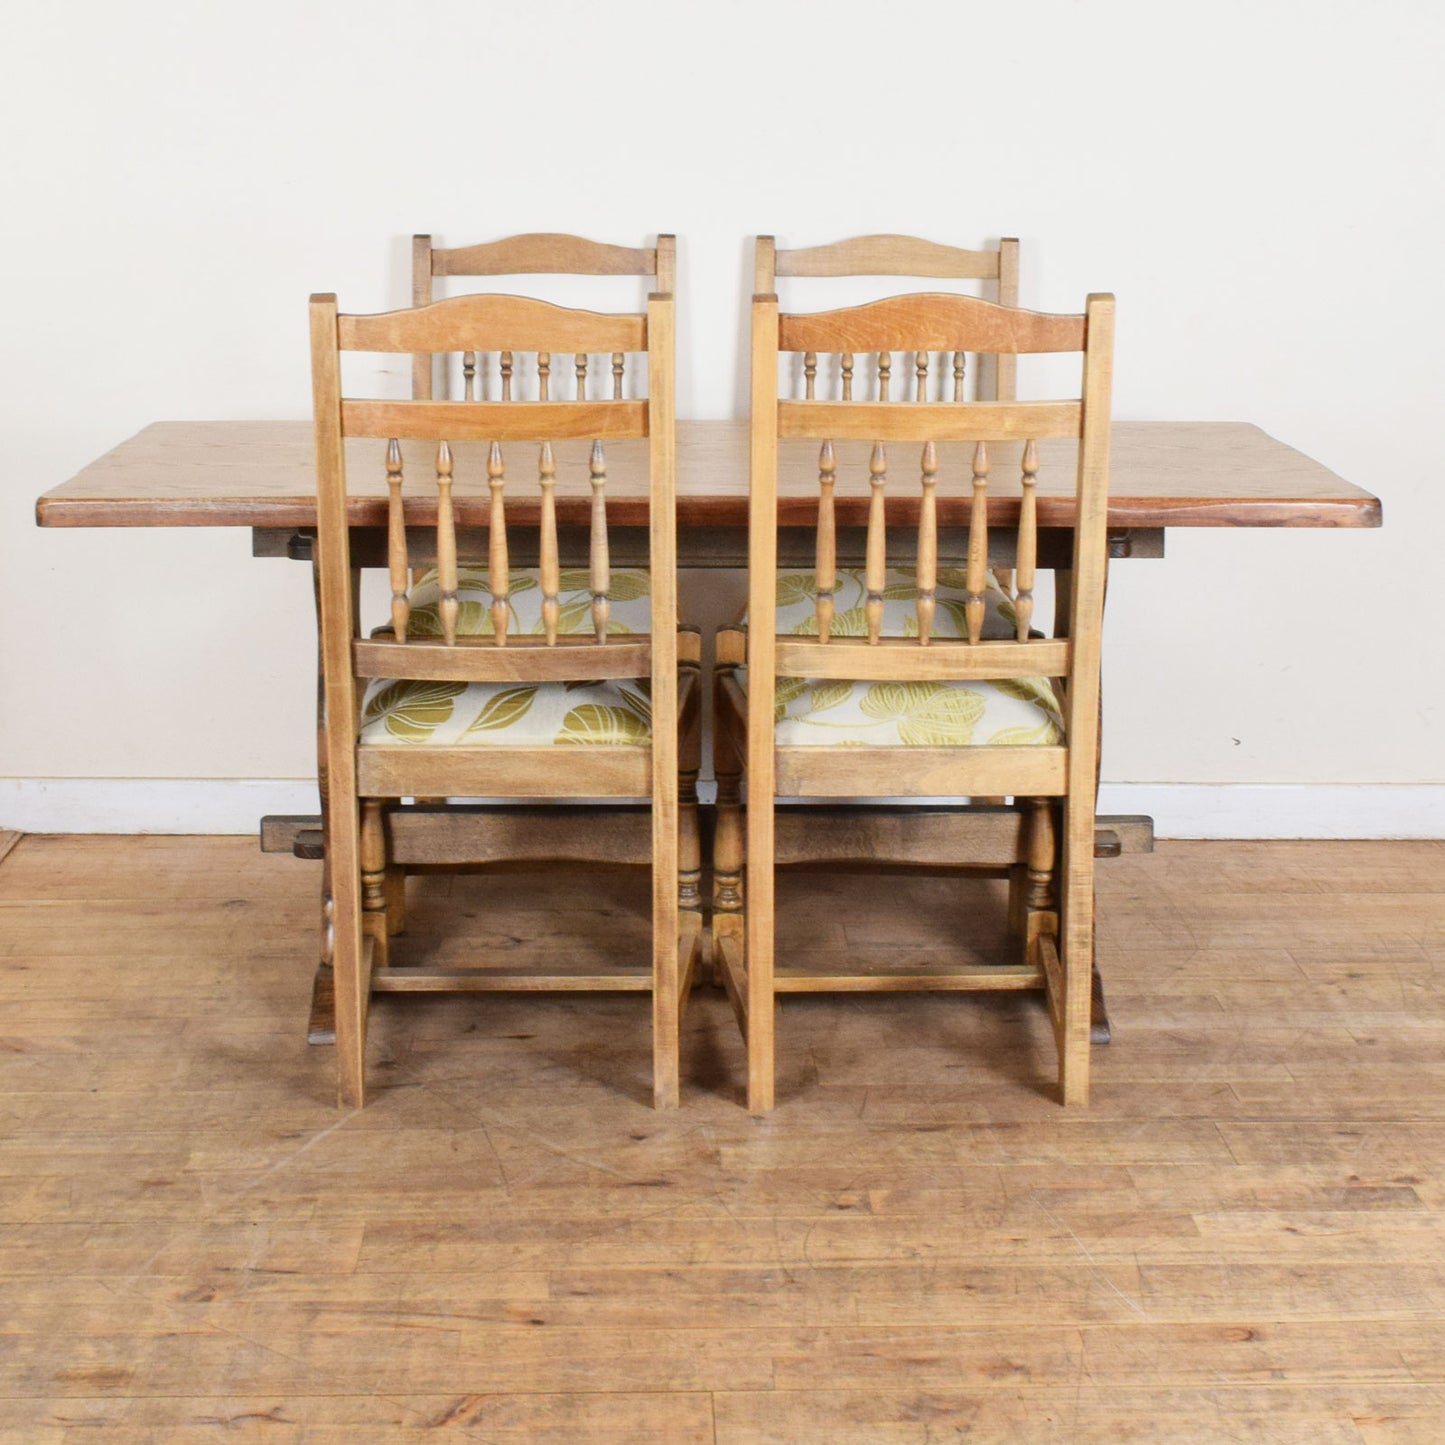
(149, 805)
(1283, 810)
(1179, 810)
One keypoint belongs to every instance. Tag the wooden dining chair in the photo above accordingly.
(956, 377)
(496, 836)
(953, 709)
(435, 706)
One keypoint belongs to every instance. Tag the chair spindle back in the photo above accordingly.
(924, 324)
(475, 324)
(530, 255)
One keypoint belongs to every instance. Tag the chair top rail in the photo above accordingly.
(546, 252)
(930, 321)
(489, 322)
(890, 255)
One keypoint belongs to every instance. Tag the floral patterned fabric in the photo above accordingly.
(818, 712)
(797, 593)
(629, 594)
(506, 714)
(509, 714)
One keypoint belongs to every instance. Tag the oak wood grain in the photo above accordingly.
(1241, 1237)
(262, 474)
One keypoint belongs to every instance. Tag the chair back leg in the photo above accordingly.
(1077, 953)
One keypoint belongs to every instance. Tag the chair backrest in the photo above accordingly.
(419, 436)
(902, 256)
(535, 254)
(924, 324)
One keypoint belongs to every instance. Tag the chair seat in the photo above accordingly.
(827, 713)
(507, 714)
(817, 712)
(628, 595)
(797, 593)
(517, 715)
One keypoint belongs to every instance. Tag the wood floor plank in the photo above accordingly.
(1242, 1238)
(1075, 1414)
(620, 1418)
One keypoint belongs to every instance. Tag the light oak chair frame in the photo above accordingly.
(939, 840)
(432, 833)
(363, 779)
(1058, 947)
(888, 255)
(539, 253)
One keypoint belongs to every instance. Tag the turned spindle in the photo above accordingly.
(885, 374)
(1028, 544)
(373, 876)
(448, 607)
(544, 374)
(396, 557)
(920, 368)
(506, 370)
(1041, 850)
(846, 371)
(581, 376)
(601, 566)
(689, 849)
(959, 364)
(810, 373)
(727, 846)
(499, 575)
(547, 479)
(469, 376)
(928, 546)
(976, 579)
(825, 578)
(876, 559)
(617, 370)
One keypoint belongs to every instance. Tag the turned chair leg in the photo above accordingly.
(689, 875)
(727, 847)
(1040, 915)
(375, 913)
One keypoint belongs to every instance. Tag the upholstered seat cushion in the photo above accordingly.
(817, 712)
(506, 714)
(797, 613)
(628, 595)
(509, 714)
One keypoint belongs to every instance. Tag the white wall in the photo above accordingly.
(1258, 183)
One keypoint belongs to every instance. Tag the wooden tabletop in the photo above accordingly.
(260, 474)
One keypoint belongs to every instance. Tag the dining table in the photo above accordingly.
(259, 474)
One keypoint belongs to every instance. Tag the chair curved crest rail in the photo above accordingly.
(981, 707)
(437, 702)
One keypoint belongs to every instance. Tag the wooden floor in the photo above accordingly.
(1242, 1239)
